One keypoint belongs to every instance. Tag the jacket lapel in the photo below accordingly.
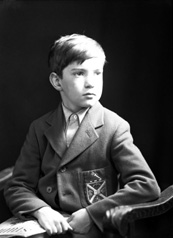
(86, 135)
(55, 133)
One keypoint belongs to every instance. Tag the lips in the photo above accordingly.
(89, 94)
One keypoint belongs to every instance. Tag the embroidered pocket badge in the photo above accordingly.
(95, 185)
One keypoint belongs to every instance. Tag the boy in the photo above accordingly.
(75, 158)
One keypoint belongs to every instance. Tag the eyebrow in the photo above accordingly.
(75, 69)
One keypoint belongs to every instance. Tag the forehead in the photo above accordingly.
(89, 64)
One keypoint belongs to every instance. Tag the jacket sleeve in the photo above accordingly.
(20, 193)
(138, 183)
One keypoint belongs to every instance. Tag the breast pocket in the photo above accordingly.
(94, 185)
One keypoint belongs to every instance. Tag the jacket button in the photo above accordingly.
(49, 189)
(63, 169)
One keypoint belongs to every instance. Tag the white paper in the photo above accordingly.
(16, 227)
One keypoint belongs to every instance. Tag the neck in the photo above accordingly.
(71, 109)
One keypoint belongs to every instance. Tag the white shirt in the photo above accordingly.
(73, 121)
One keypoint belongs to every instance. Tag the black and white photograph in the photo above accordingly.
(86, 119)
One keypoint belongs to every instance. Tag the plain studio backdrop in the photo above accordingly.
(137, 39)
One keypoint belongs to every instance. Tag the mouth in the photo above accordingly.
(89, 94)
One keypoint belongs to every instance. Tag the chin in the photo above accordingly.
(89, 104)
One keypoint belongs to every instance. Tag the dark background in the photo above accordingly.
(137, 38)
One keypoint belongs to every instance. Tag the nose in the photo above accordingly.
(89, 81)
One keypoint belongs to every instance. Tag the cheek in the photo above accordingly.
(78, 84)
(100, 89)
(100, 84)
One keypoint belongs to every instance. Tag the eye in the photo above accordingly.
(98, 72)
(78, 73)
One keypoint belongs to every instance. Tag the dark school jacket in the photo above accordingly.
(101, 169)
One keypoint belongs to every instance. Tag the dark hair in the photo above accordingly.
(73, 48)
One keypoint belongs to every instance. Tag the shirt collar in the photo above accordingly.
(68, 113)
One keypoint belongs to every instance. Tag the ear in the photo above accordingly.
(55, 80)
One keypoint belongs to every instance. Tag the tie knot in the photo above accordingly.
(73, 117)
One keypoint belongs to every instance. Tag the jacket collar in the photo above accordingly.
(55, 133)
(85, 136)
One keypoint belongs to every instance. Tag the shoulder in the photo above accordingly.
(45, 117)
(110, 119)
(113, 119)
(43, 122)
(117, 126)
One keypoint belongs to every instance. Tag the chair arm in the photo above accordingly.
(5, 175)
(120, 217)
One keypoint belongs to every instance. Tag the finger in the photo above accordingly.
(69, 219)
(46, 226)
(59, 228)
(66, 226)
(69, 227)
(48, 230)
(54, 230)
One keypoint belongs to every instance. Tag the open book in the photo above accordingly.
(17, 227)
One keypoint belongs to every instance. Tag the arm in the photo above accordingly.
(22, 194)
(21, 191)
(80, 221)
(138, 183)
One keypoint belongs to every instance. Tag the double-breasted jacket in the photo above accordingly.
(101, 169)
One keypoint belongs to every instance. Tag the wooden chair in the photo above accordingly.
(148, 220)
(5, 175)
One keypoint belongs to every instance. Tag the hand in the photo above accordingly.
(52, 221)
(80, 221)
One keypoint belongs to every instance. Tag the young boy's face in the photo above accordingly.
(81, 84)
